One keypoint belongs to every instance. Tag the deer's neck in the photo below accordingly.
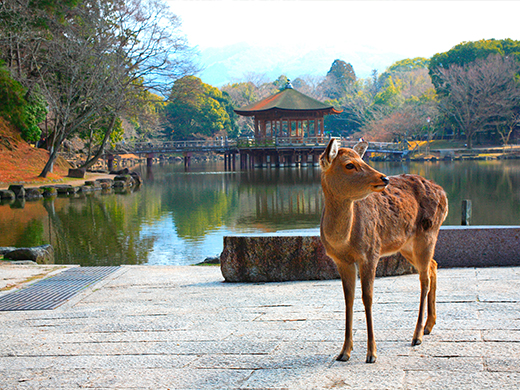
(337, 220)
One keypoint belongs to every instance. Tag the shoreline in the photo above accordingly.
(89, 176)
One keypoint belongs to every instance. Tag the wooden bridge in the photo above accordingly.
(253, 153)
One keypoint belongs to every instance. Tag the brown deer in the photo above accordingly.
(367, 216)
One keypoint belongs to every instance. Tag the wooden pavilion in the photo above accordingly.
(288, 114)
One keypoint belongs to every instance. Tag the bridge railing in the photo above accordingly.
(311, 141)
(244, 143)
(182, 145)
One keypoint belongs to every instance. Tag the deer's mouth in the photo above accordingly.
(378, 187)
(381, 185)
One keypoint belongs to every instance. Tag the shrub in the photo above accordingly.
(23, 113)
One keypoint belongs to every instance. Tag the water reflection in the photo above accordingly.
(180, 217)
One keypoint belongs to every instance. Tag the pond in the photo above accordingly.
(179, 217)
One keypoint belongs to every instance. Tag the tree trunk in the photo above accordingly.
(469, 141)
(57, 139)
(93, 160)
(50, 162)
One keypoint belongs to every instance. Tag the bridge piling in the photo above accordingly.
(110, 162)
(149, 159)
(187, 159)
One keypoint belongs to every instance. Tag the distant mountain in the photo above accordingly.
(232, 63)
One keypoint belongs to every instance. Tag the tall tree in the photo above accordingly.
(196, 110)
(468, 52)
(88, 59)
(339, 79)
(395, 105)
(481, 94)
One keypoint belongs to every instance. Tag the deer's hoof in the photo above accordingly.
(371, 358)
(343, 357)
(428, 328)
(416, 342)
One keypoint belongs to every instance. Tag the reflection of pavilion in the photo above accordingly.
(288, 129)
(280, 199)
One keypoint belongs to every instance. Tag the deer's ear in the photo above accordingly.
(360, 148)
(329, 154)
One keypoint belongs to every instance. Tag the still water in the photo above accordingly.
(180, 217)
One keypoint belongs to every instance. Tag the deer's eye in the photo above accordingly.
(350, 166)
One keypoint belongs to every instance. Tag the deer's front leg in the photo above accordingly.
(367, 275)
(425, 287)
(348, 279)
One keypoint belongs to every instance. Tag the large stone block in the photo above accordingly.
(66, 189)
(33, 193)
(43, 254)
(78, 173)
(275, 259)
(6, 249)
(6, 194)
(123, 181)
(49, 191)
(105, 183)
(279, 258)
(287, 258)
(18, 189)
(478, 246)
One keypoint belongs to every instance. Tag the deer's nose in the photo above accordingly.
(385, 180)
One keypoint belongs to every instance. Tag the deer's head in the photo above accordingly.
(346, 175)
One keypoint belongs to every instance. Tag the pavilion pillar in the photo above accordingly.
(304, 157)
(275, 159)
(315, 160)
(242, 161)
(281, 160)
(260, 160)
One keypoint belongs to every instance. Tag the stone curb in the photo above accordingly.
(288, 258)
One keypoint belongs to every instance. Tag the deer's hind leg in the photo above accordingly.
(432, 314)
(420, 254)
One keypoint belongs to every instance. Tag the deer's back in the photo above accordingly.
(410, 205)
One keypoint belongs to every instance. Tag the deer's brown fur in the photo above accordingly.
(368, 216)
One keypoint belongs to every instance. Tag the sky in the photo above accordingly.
(406, 28)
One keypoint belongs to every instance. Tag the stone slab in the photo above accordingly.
(286, 258)
(478, 246)
(160, 327)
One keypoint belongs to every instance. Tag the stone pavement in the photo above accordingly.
(155, 327)
(15, 275)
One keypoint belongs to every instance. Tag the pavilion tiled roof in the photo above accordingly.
(288, 99)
